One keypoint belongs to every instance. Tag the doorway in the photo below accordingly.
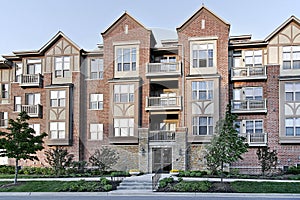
(161, 160)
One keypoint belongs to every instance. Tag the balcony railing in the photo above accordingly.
(31, 80)
(244, 106)
(163, 103)
(256, 139)
(33, 110)
(163, 69)
(162, 135)
(242, 73)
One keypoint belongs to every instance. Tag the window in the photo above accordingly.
(3, 119)
(96, 101)
(291, 57)
(96, 131)
(18, 105)
(253, 58)
(18, 72)
(34, 66)
(254, 126)
(203, 55)
(202, 125)
(124, 127)
(292, 92)
(36, 128)
(126, 59)
(96, 69)
(57, 130)
(32, 98)
(4, 91)
(202, 90)
(124, 93)
(292, 126)
(58, 98)
(62, 67)
(253, 93)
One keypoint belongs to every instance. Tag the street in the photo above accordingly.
(179, 196)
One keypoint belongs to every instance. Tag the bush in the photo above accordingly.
(184, 186)
(119, 173)
(192, 173)
(107, 187)
(293, 170)
(104, 181)
(7, 169)
(166, 181)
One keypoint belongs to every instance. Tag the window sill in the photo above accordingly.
(289, 139)
(199, 138)
(122, 140)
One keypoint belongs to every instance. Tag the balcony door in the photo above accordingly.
(33, 98)
(161, 160)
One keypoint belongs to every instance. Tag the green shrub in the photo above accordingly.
(293, 170)
(104, 181)
(7, 169)
(119, 173)
(107, 187)
(185, 186)
(166, 181)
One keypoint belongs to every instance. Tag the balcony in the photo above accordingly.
(248, 73)
(255, 139)
(31, 80)
(164, 102)
(33, 110)
(163, 69)
(249, 106)
(158, 136)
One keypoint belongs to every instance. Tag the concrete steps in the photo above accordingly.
(138, 184)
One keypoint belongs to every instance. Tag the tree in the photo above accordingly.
(267, 159)
(104, 159)
(59, 159)
(226, 145)
(20, 142)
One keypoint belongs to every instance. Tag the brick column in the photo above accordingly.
(180, 149)
(143, 150)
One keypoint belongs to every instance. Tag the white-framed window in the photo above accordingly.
(126, 58)
(34, 66)
(254, 126)
(253, 58)
(292, 126)
(96, 132)
(203, 55)
(4, 90)
(124, 127)
(292, 91)
(253, 93)
(58, 98)
(32, 98)
(17, 104)
(124, 93)
(202, 90)
(57, 130)
(202, 125)
(3, 119)
(62, 66)
(291, 57)
(19, 72)
(96, 101)
(36, 128)
(97, 68)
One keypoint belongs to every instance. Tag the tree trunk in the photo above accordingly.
(16, 171)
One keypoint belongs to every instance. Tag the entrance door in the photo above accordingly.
(161, 159)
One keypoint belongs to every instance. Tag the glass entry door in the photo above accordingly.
(161, 159)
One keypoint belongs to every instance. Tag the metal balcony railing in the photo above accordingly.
(163, 103)
(256, 139)
(249, 105)
(33, 110)
(163, 69)
(252, 72)
(162, 135)
(31, 79)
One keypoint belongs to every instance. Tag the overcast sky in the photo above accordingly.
(29, 24)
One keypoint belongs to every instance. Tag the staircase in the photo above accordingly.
(135, 184)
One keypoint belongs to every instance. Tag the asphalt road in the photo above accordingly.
(89, 196)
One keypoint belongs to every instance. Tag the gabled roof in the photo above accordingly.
(196, 13)
(44, 48)
(282, 26)
(119, 19)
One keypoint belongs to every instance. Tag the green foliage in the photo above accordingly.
(166, 181)
(7, 169)
(192, 173)
(104, 181)
(107, 187)
(293, 170)
(226, 145)
(20, 142)
(59, 159)
(267, 159)
(119, 173)
(266, 187)
(193, 186)
(104, 159)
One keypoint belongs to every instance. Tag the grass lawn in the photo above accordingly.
(265, 187)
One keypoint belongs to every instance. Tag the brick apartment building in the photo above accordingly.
(155, 96)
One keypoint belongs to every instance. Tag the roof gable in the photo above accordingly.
(282, 26)
(187, 22)
(125, 14)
